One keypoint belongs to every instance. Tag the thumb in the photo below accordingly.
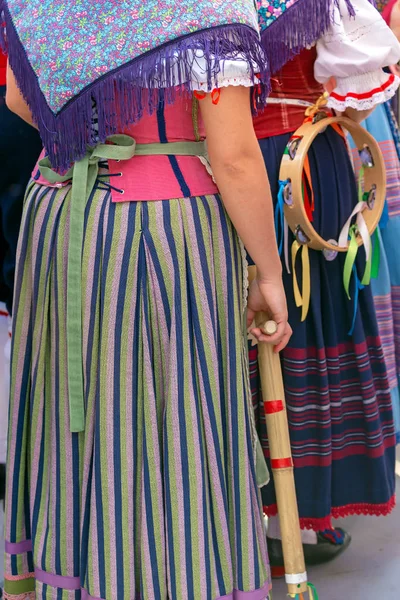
(251, 314)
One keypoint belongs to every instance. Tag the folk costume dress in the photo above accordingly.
(336, 382)
(132, 470)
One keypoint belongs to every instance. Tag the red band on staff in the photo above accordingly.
(273, 406)
(281, 463)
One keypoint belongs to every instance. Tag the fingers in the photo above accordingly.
(285, 340)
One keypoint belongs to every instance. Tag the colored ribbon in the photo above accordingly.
(302, 299)
(309, 202)
(286, 247)
(83, 176)
(350, 259)
(376, 255)
(349, 232)
(358, 286)
(384, 220)
(280, 215)
(313, 592)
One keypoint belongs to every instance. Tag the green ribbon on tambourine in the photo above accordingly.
(373, 260)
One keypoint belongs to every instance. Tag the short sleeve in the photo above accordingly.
(235, 71)
(354, 51)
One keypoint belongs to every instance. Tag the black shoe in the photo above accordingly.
(330, 544)
(2, 481)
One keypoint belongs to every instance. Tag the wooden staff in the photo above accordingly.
(281, 459)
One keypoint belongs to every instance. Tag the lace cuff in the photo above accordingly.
(364, 91)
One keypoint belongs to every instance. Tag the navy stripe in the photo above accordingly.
(203, 454)
(95, 298)
(252, 484)
(217, 558)
(118, 409)
(207, 386)
(25, 385)
(233, 366)
(40, 250)
(149, 508)
(76, 503)
(137, 483)
(180, 353)
(162, 132)
(57, 491)
(84, 572)
(98, 440)
(169, 518)
(219, 346)
(159, 273)
(204, 263)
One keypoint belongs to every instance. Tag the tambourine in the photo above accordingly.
(361, 223)
(292, 168)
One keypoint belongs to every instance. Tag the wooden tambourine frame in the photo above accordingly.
(292, 167)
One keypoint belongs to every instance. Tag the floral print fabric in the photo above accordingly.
(270, 10)
(71, 44)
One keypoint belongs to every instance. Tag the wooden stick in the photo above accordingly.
(281, 461)
(269, 328)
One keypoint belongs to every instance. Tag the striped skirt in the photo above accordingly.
(158, 497)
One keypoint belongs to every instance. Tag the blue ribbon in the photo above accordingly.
(358, 287)
(385, 216)
(280, 216)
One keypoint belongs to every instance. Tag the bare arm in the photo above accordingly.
(239, 170)
(358, 115)
(240, 173)
(15, 100)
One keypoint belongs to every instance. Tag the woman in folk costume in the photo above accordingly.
(336, 384)
(132, 469)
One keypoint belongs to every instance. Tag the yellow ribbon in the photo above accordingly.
(302, 299)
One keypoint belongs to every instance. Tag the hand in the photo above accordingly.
(269, 297)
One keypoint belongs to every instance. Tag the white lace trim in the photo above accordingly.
(223, 82)
(360, 85)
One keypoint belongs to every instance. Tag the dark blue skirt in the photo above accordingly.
(337, 392)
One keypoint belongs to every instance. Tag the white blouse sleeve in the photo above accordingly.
(232, 72)
(354, 52)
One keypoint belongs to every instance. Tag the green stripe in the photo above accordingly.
(125, 389)
(20, 319)
(23, 586)
(63, 386)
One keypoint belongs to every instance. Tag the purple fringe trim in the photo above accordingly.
(299, 28)
(124, 95)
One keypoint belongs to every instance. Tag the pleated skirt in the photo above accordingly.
(157, 498)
